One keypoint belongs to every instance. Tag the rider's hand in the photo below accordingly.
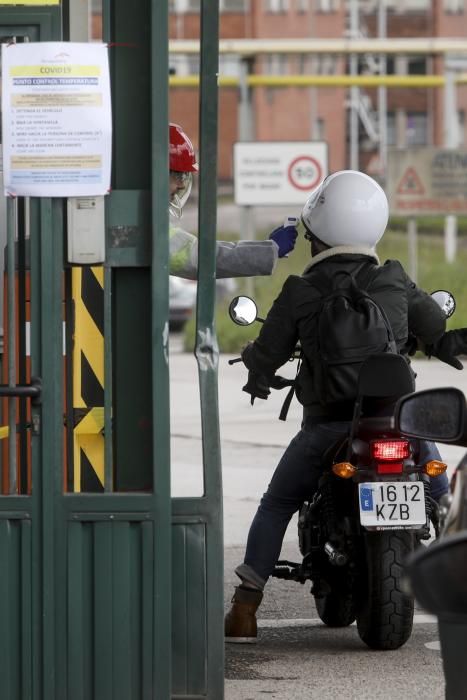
(257, 386)
(285, 237)
(411, 346)
(449, 345)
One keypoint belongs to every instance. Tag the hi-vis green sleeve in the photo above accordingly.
(241, 259)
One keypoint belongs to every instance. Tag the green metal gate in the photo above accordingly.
(117, 594)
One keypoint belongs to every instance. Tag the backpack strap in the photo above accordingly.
(287, 402)
(364, 284)
(364, 280)
(325, 285)
(321, 282)
(291, 391)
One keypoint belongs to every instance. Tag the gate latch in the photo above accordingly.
(31, 391)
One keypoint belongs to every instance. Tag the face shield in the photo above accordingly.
(180, 184)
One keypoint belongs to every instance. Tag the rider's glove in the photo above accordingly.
(257, 386)
(285, 237)
(450, 344)
(411, 346)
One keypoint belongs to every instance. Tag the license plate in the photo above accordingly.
(392, 504)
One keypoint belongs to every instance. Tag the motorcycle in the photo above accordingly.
(371, 510)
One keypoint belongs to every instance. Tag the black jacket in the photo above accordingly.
(294, 313)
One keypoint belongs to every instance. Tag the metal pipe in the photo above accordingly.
(451, 122)
(335, 557)
(451, 140)
(413, 248)
(354, 92)
(253, 47)
(246, 129)
(382, 94)
(390, 81)
(246, 132)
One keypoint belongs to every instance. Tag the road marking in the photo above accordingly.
(316, 622)
(434, 645)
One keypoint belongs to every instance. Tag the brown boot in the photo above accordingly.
(240, 622)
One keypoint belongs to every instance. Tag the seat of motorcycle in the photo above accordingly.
(377, 424)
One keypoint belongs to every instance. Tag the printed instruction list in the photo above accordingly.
(56, 119)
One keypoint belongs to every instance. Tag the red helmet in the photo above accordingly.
(182, 156)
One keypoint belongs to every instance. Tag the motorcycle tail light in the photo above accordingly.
(390, 450)
(435, 468)
(389, 467)
(344, 469)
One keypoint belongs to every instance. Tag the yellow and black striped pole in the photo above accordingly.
(88, 378)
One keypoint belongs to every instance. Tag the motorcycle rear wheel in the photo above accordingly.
(385, 614)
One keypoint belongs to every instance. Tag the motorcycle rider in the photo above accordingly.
(242, 259)
(344, 218)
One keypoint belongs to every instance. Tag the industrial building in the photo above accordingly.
(359, 124)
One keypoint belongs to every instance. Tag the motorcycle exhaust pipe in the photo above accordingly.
(335, 557)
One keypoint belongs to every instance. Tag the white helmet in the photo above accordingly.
(348, 208)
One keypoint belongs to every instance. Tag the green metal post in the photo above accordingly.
(12, 211)
(27, 522)
(50, 319)
(127, 27)
(46, 598)
(159, 345)
(206, 351)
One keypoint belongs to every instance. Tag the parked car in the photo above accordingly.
(182, 298)
(438, 573)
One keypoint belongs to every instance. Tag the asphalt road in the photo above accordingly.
(296, 656)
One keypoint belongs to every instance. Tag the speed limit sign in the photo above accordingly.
(304, 173)
(278, 172)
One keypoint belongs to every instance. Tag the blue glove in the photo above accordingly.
(285, 237)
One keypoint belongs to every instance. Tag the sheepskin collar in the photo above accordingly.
(342, 250)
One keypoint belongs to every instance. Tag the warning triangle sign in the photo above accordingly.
(410, 183)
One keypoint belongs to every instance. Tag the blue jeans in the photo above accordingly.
(296, 480)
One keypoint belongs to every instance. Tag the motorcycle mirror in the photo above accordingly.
(243, 311)
(445, 301)
(433, 414)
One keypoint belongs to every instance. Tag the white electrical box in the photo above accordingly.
(86, 230)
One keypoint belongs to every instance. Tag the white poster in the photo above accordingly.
(56, 119)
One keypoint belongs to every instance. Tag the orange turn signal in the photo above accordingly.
(435, 468)
(344, 469)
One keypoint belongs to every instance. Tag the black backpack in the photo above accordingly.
(350, 327)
